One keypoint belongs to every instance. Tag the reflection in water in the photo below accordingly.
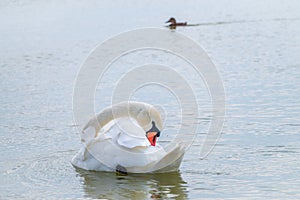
(107, 185)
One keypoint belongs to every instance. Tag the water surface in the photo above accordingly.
(255, 46)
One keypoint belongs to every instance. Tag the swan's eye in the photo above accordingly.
(158, 134)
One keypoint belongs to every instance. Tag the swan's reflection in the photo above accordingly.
(103, 185)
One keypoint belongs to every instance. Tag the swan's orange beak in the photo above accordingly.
(152, 134)
(152, 137)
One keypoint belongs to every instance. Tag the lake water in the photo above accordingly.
(254, 45)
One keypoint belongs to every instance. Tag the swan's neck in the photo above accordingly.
(141, 112)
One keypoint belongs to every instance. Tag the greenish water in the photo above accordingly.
(255, 46)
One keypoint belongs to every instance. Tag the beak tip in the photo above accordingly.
(152, 138)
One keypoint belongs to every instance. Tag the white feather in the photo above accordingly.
(122, 141)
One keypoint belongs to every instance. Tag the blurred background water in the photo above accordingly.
(255, 46)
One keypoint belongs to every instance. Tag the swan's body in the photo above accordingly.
(117, 137)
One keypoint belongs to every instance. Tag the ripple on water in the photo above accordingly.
(45, 174)
(53, 175)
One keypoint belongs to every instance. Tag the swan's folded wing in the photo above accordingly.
(171, 160)
(130, 134)
(88, 134)
(130, 142)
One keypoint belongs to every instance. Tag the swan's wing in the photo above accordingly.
(130, 134)
(171, 160)
(88, 134)
(132, 142)
(124, 132)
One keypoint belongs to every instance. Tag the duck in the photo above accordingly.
(174, 24)
(122, 138)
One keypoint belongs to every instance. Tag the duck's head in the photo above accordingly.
(172, 20)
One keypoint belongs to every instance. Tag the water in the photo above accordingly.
(43, 44)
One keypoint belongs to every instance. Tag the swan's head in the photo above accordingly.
(150, 120)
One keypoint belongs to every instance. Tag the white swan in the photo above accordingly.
(123, 137)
